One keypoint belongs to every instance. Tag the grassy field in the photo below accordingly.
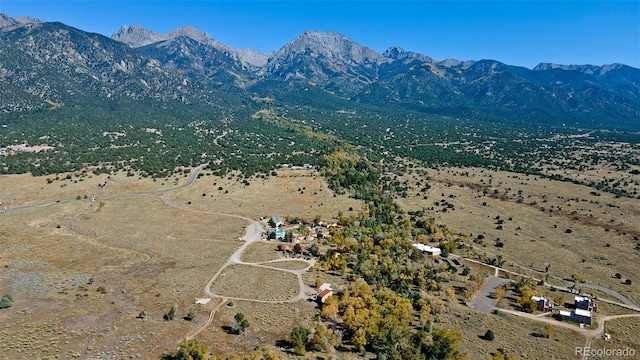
(25, 189)
(289, 264)
(80, 272)
(250, 282)
(297, 193)
(513, 334)
(624, 333)
(260, 252)
(269, 323)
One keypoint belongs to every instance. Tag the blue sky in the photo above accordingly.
(521, 33)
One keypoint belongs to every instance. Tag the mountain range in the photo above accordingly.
(48, 62)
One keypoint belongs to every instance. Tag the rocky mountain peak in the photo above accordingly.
(8, 21)
(398, 53)
(192, 33)
(137, 36)
(394, 52)
(331, 45)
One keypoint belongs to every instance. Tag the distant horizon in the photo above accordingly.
(519, 33)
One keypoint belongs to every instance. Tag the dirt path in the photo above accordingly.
(208, 322)
(587, 345)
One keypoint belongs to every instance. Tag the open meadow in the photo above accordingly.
(296, 193)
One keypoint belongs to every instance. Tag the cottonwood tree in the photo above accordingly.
(191, 350)
(298, 339)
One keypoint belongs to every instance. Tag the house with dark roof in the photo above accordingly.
(543, 304)
(585, 303)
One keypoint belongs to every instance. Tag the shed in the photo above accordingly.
(324, 295)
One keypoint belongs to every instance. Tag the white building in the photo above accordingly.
(428, 249)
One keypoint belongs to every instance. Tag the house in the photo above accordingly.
(543, 304)
(323, 295)
(564, 315)
(276, 220)
(280, 234)
(582, 316)
(585, 303)
(428, 249)
(325, 286)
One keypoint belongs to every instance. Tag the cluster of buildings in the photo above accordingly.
(583, 313)
(316, 229)
(585, 307)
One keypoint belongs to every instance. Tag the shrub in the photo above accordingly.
(171, 314)
(618, 276)
(489, 335)
(6, 301)
(628, 281)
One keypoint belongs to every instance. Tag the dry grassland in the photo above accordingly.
(269, 323)
(258, 283)
(25, 189)
(289, 264)
(143, 255)
(515, 335)
(599, 243)
(624, 333)
(146, 256)
(337, 282)
(261, 252)
(298, 193)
